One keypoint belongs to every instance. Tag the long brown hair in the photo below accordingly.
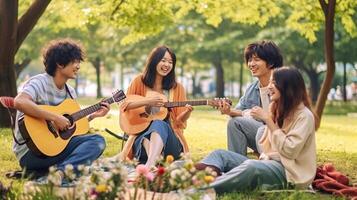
(291, 86)
(155, 56)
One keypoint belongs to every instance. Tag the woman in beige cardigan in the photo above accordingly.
(288, 156)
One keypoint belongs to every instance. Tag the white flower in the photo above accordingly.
(52, 169)
(54, 178)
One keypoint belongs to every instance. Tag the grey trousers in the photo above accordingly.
(242, 132)
(241, 173)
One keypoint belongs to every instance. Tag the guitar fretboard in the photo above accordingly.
(183, 103)
(89, 110)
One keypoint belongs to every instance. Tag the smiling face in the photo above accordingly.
(165, 65)
(258, 67)
(70, 71)
(274, 93)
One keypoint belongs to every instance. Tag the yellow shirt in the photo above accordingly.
(294, 145)
(178, 93)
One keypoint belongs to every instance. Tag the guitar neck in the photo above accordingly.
(183, 103)
(89, 110)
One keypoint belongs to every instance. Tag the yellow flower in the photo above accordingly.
(188, 165)
(101, 188)
(169, 159)
(209, 179)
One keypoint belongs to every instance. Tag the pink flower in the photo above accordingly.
(149, 176)
(142, 170)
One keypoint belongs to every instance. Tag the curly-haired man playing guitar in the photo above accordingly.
(61, 59)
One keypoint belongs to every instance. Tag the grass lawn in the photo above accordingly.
(206, 131)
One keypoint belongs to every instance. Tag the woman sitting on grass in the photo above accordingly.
(288, 143)
(162, 137)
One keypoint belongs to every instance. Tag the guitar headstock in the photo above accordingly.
(118, 95)
(217, 101)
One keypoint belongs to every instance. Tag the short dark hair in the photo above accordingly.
(265, 50)
(61, 52)
(155, 56)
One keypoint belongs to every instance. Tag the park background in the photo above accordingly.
(208, 37)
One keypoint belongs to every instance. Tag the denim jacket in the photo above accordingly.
(250, 98)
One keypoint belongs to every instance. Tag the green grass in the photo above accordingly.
(340, 107)
(206, 131)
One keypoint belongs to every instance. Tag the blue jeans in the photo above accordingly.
(241, 173)
(81, 150)
(242, 132)
(172, 145)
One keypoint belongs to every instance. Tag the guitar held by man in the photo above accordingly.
(45, 139)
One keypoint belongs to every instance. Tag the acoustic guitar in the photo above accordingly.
(134, 121)
(44, 139)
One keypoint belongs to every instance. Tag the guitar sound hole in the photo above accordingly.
(155, 110)
(69, 117)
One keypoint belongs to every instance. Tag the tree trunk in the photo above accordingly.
(219, 76)
(314, 82)
(329, 12)
(12, 33)
(97, 64)
(76, 82)
(344, 91)
(314, 85)
(8, 30)
(19, 67)
(241, 80)
(194, 88)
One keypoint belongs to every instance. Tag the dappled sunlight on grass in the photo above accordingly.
(337, 133)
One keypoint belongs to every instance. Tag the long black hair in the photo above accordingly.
(155, 56)
(291, 86)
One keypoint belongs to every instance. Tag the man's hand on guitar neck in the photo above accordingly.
(226, 109)
(105, 107)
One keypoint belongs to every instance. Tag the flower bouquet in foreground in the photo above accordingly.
(108, 179)
(104, 179)
(170, 180)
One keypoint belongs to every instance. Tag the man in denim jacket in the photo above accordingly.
(242, 130)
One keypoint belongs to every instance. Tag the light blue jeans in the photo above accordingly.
(81, 150)
(243, 132)
(241, 173)
(172, 145)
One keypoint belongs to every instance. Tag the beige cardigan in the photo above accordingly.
(294, 145)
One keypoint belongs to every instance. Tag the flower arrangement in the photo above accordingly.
(170, 176)
(108, 179)
(104, 179)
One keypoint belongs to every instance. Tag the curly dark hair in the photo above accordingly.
(265, 50)
(152, 61)
(61, 52)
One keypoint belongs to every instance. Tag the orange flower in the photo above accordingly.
(169, 159)
(209, 179)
